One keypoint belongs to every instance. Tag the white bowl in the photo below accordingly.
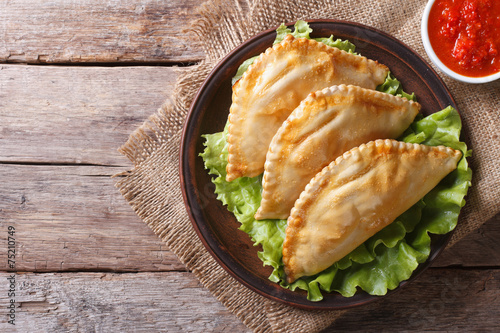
(438, 63)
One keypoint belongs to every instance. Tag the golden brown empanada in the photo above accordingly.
(275, 84)
(357, 195)
(324, 126)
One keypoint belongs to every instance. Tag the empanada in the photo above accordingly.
(324, 126)
(275, 84)
(357, 195)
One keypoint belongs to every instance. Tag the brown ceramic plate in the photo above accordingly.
(214, 224)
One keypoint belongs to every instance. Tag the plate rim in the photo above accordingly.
(186, 198)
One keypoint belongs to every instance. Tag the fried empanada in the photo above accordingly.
(275, 84)
(357, 195)
(324, 126)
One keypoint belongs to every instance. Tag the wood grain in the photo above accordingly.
(81, 31)
(73, 219)
(76, 115)
(440, 300)
(480, 248)
(101, 302)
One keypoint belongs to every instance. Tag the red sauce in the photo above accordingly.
(465, 35)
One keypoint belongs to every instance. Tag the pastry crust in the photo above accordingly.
(324, 126)
(357, 195)
(275, 84)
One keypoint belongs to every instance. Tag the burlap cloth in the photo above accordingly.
(152, 188)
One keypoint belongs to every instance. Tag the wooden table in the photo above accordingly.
(76, 78)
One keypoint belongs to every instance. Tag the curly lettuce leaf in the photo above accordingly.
(392, 86)
(301, 30)
(242, 198)
(338, 43)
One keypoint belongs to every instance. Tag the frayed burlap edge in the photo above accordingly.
(153, 189)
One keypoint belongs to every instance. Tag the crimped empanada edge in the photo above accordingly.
(268, 185)
(237, 166)
(320, 180)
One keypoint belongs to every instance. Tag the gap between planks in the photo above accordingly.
(177, 302)
(76, 115)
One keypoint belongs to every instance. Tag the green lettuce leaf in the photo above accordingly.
(393, 86)
(301, 30)
(338, 43)
(387, 258)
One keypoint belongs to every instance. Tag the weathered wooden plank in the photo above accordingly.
(82, 115)
(450, 300)
(481, 248)
(440, 300)
(73, 219)
(100, 302)
(64, 31)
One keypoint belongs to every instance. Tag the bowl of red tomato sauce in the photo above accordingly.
(462, 38)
